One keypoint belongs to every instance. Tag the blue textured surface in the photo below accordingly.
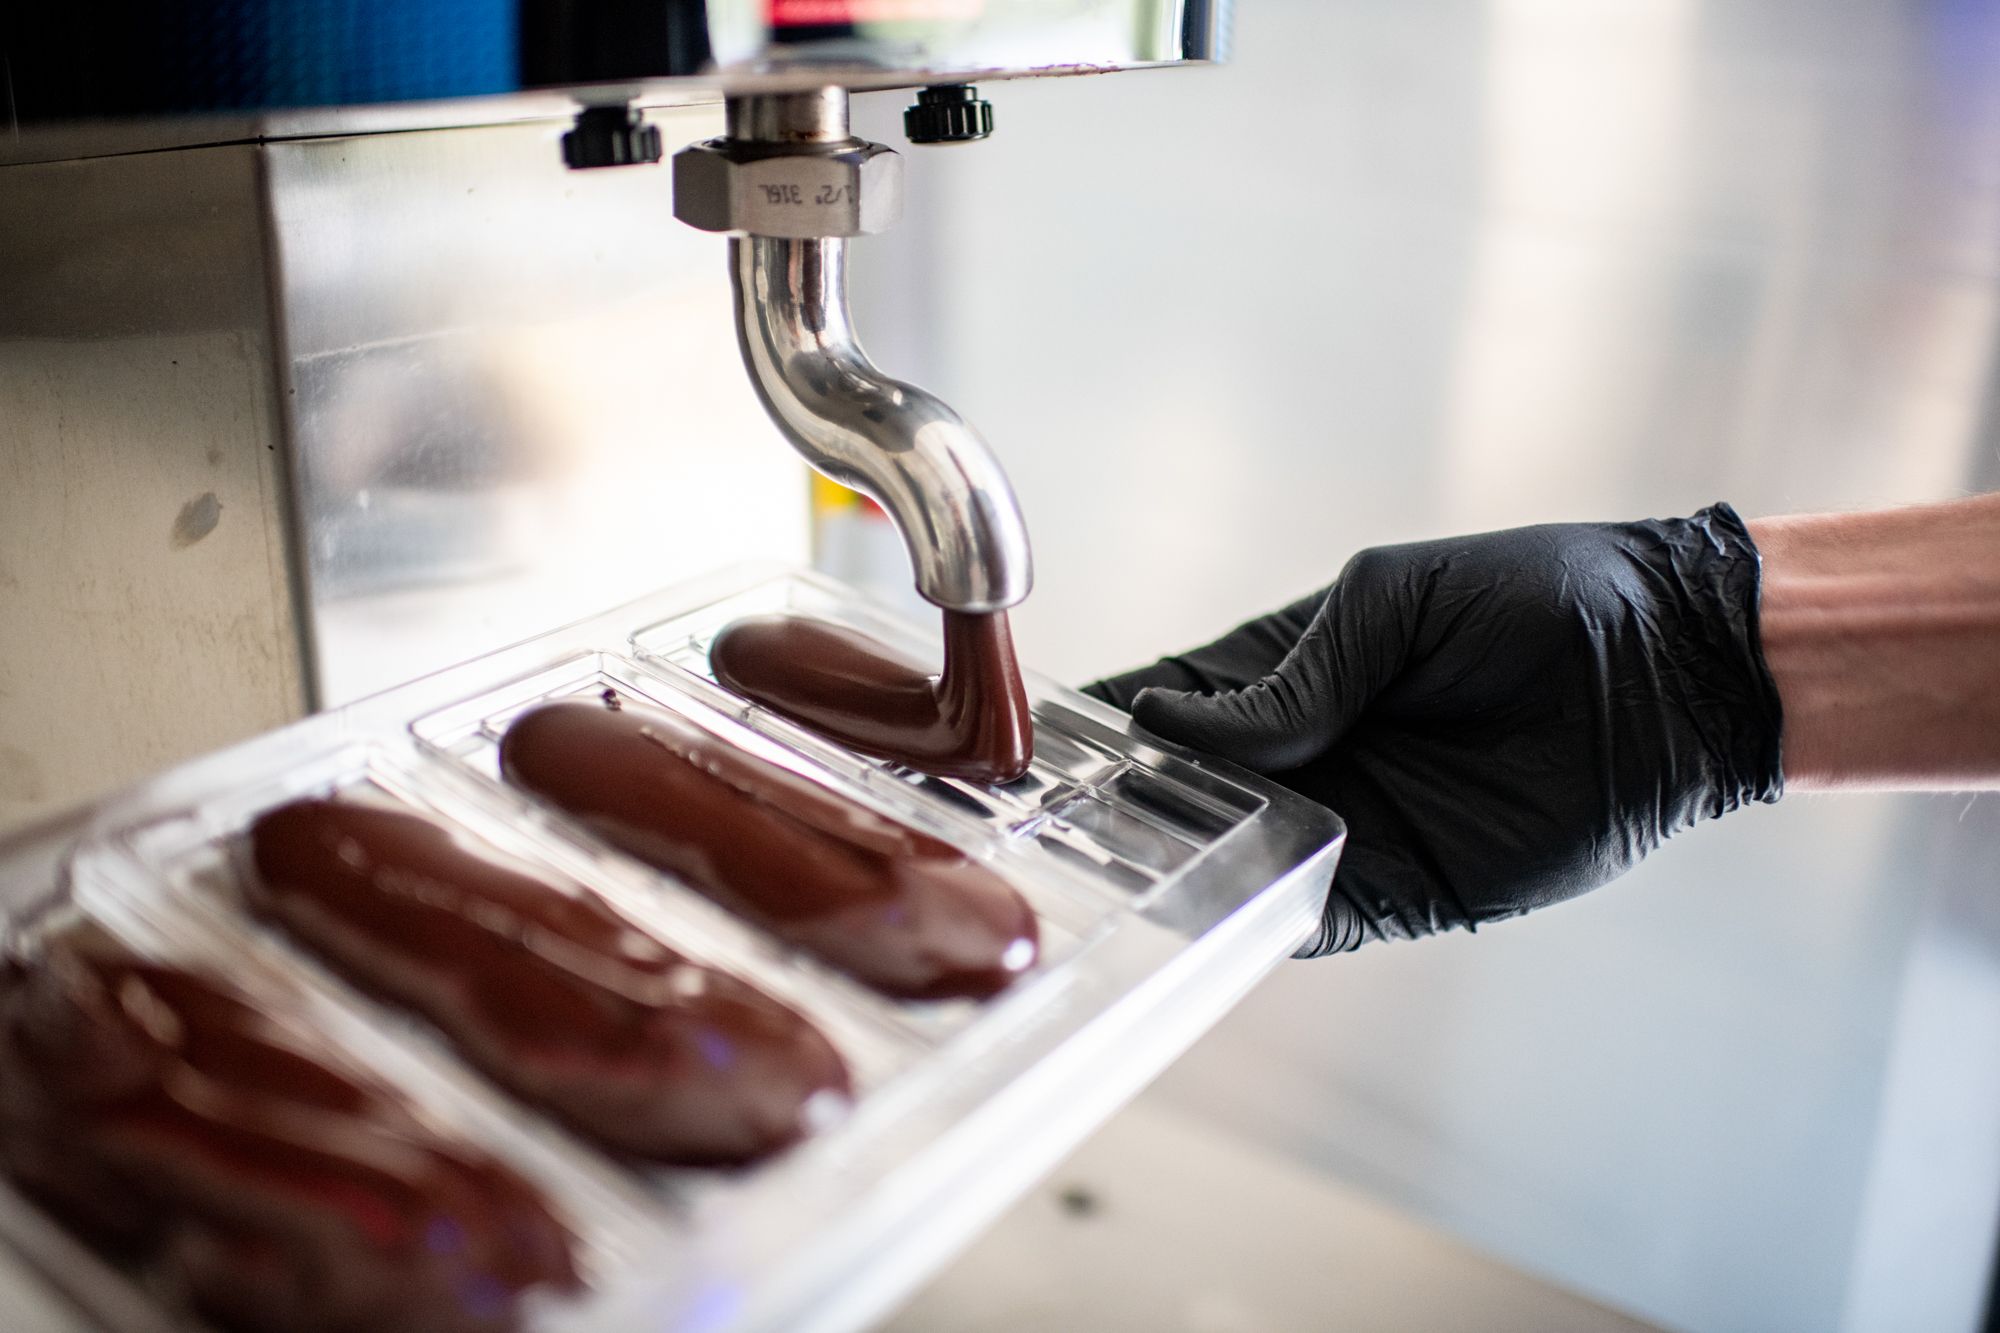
(249, 53)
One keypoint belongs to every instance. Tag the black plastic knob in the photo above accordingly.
(949, 113)
(610, 136)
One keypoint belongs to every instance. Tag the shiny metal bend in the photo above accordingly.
(891, 441)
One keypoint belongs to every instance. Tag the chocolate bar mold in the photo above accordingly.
(1166, 885)
(1069, 911)
(195, 861)
(1123, 822)
(618, 1229)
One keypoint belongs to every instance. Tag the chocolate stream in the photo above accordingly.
(969, 722)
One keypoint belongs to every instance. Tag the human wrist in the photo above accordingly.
(1882, 631)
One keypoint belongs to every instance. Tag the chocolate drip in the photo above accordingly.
(895, 908)
(175, 1121)
(971, 722)
(547, 990)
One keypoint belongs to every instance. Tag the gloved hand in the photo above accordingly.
(1504, 721)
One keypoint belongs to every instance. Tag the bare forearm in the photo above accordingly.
(1883, 632)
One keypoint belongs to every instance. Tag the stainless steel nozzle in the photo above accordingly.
(902, 447)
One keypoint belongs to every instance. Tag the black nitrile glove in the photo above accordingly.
(1504, 721)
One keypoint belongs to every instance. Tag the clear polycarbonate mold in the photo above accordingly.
(1165, 884)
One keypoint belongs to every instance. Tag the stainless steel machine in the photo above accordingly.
(340, 341)
(350, 341)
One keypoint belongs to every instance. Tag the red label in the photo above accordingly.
(819, 13)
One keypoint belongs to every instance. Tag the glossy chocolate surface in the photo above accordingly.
(174, 1120)
(971, 722)
(546, 988)
(900, 910)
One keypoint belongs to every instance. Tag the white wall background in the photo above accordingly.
(1409, 267)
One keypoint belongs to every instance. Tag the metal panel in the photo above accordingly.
(514, 391)
(511, 397)
(145, 605)
(65, 64)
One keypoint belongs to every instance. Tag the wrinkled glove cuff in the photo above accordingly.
(1736, 703)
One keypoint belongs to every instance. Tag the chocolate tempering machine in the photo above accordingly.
(354, 357)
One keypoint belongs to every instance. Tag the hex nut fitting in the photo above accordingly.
(797, 190)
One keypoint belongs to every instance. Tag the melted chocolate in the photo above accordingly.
(174, 1120)
(971, 722)
(548, 990)
(900, 910)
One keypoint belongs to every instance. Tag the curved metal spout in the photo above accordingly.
(891, 441)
